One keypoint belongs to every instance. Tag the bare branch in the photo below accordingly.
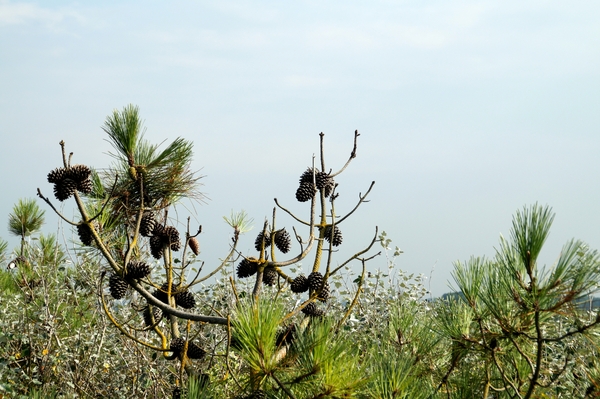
(47, 201)
(361, 199)
(291, 214)
(355, 299)
(352, 156)
(173, 311)
(223, 263)
(116, 324)
(356, 255)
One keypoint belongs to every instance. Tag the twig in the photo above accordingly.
(361, 199)
(285, 389)
(64, 155)
(356, 255)
(272, 236)
(355, 299)
(352, 155)
(282, 274)
(47, 201)
(538, 358)
(263, 242)
(227, 352)
(290, 213)
(112, 190)
(136, 230)
(258, 282)
(116, 324)
(291, 314)
(331, 235)
(298, 238)
(197, 274)
(523, 354)
(223, 263)
(237, 297)
(295, 259)
(173, 311)
(311, 239)
(504, 377)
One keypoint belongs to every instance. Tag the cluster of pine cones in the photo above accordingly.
(307, 189)
(152, 315)
(183, 297)
(193, 351)
(248, 266)
(119, 286)
(161, 236)
(68, 180)
(282, 240)
(313, 283)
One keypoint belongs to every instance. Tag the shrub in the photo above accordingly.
(137, 315)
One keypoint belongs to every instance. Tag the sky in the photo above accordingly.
(467, 112)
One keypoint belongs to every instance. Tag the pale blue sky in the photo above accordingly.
(468, 110)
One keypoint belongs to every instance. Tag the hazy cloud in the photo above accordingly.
(21, 13)
(298, 81)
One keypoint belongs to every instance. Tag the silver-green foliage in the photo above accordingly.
(54, 340)
(510, 323)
